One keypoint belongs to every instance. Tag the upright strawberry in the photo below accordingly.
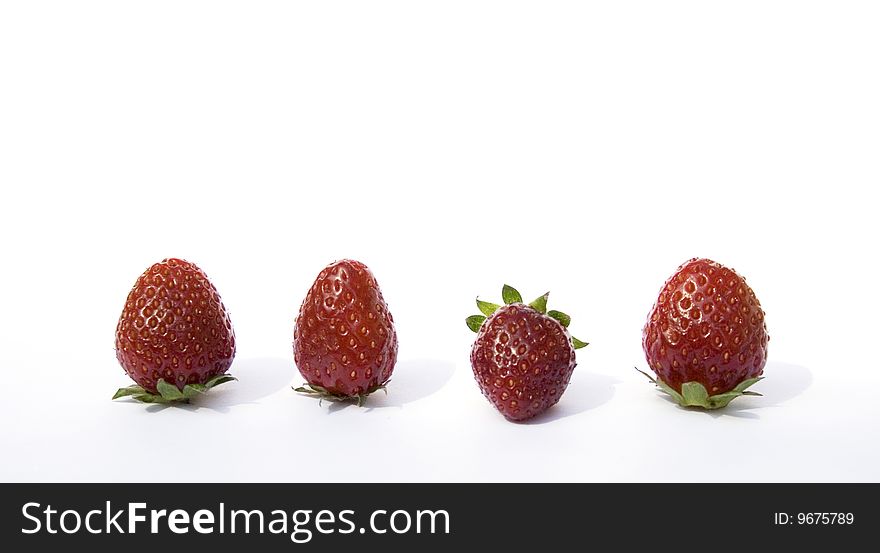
(705, 337)
(174, 337)
(523, 357)
(344, 342)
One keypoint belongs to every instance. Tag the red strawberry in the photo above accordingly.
(706, 338)
(174, 337)
(344, 342)
(523, 356)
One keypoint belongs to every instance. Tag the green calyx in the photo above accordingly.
(694, 394)
(313, 390)
(169, 393)
(510, 295)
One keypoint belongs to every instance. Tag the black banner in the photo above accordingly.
(433, 517)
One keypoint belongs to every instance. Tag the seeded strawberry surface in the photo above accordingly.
(523, 356)
(522, 360)
(708, 327)
(345, 344)
(174, 327)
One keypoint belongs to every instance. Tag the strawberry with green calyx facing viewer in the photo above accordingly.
(706, 337)
(344, 341)
(174, 337)
(523, 356)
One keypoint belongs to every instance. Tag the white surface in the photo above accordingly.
(452, 146)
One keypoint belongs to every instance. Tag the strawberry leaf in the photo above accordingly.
(510, 295)
(322, 393)
(150, 398)
(540, 304)
(671, 391)
(218, 380)
(694, 394)
(741, 387)
(577, 344)
(474, 322)
(487, 308)
(663, 386)
(129, 391)
(721, 400)
(169, 392)
(563, 319)
(192, 390)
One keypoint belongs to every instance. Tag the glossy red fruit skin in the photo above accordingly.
(522, 360)
(344, 339)
(174, 326)
(707, 326)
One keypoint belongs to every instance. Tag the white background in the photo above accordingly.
(584, 148)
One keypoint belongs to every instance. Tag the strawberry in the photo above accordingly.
(523, 356)
(706, 338)
(344, 342)
(174, 337)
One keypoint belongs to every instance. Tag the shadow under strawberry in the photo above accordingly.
(414, 380)
(587, 391)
